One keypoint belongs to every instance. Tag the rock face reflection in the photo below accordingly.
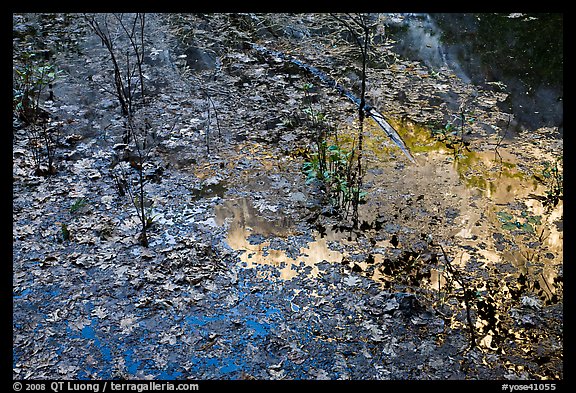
(252, 234)
(485, 200)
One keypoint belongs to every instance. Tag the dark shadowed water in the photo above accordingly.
(521, 53)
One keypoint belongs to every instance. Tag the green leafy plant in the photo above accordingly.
(445, 133)
(452, 133)
(552, 176)
(78, 205)
(449, 135)
(329, 162)
(360, 30)
(31, 77)
(334, 167)
(524, 223)
(63, 234)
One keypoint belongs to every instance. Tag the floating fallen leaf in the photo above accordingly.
(99, 312)
(84, 260)
(391, 304)
(294, 307)
(94, 174)
(54, 316)
(170, 286)
(277, 374)
(147, 253)
(352, 281)
(66, 369)
(321, 374)
(127, 324)
(80, 323)
(531, 302)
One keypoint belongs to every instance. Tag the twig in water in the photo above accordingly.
(503, 136)
(467, 296)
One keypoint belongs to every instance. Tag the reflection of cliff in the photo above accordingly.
(246, 221)
(245, 215)
(536, 254)
(499, 179)
(500, 45)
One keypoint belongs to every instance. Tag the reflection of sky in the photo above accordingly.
(108, 352)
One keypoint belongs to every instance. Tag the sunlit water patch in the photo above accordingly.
(266, 242)
(502, 200)
(490, 201)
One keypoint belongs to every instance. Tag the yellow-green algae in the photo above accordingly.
(483, 170)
